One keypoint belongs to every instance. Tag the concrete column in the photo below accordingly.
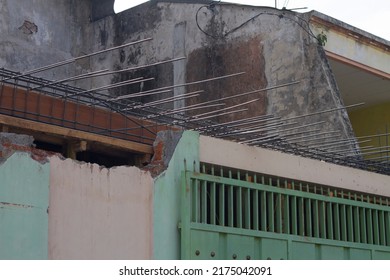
(179, 67)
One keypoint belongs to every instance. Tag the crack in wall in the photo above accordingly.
(14, 205)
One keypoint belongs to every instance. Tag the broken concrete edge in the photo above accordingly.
(45, 157)
(11, 143)
(163, 147)
(17, 139)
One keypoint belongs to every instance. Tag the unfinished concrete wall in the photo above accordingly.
(99, 213)
(219, 58)
(272, 46)
(39, 33)
(24, 201)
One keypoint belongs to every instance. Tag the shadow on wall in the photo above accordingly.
(101, 9)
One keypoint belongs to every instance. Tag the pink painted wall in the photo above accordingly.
(99, 213)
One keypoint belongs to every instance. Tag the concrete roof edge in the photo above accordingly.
(185, 1)
(348, 27)
(311, 14)
(207, 2)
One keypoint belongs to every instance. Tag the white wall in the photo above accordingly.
(99, 213)
(227, 153)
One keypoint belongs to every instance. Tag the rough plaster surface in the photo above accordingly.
(163, 150)
(10, 141)
(39, 33)
(170, 139)
(219, 58)
(17, 139)
(99, 213)
(273, 47)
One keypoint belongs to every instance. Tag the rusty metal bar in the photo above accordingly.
(72, 60)
(144, 93)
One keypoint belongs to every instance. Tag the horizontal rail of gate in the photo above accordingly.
(246, 207)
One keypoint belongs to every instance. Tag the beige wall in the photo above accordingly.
(227, 153)
(99, 213)
(345, 45)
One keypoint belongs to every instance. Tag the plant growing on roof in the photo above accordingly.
(322, 39)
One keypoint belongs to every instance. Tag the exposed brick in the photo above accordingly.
(11, 143)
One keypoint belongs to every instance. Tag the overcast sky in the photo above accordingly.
(372, 16)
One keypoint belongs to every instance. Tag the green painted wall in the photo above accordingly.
(24, 199)
(167, 187)
(370, 121)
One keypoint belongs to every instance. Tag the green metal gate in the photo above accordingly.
(232, 214)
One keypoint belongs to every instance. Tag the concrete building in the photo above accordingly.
(95, 163)
(360, 65)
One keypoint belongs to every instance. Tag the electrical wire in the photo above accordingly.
(303, 23)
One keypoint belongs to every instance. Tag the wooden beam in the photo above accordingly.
(4, 128)
(70, 151)
(76, 134)
(73, 147)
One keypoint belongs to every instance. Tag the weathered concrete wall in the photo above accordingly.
(99, 213)
(220, 58)
(290, 166)
(11, 141)
(24, 201)
(39, 33)
(271, 46)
